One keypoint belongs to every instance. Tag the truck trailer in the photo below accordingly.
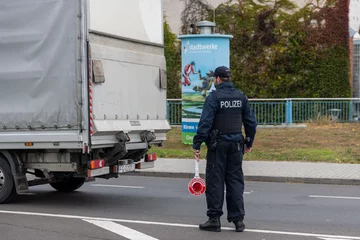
(82, 91)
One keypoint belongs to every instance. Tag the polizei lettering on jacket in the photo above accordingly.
(231, 104)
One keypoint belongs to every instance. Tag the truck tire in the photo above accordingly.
(7, 187)
(68, 185)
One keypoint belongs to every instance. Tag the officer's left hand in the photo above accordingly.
(197, 154)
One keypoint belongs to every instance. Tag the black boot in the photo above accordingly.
(239, 225)
(213, 225)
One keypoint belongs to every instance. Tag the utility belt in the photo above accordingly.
(215, 137)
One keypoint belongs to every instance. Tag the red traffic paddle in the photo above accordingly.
(197, 185)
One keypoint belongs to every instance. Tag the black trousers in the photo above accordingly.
(224, 167)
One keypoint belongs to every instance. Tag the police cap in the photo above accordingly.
(222, 72)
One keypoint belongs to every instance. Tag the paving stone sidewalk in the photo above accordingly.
(299, 172)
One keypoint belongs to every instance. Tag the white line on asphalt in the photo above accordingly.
(175, 224)
(334, 197)
(331, 238)
(121, 230)
(115, 186)
(244, 192)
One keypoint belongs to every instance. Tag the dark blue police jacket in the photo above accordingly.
(211, 107)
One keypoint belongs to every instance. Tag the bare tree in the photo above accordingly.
(194, 11)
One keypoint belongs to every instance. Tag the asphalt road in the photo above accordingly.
(162, 208)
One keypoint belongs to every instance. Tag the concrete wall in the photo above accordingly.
(354, 15)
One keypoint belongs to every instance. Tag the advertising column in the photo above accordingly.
(201, 54)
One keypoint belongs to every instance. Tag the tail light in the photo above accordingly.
(95, 164)
(150, 157)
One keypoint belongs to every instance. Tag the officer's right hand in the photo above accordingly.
(247, 149)
(197, 154)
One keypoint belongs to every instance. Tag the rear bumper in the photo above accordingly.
(123, 166)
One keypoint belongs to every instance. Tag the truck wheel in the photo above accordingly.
(68, 185)
(7, 187)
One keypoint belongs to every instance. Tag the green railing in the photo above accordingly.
(269, 111)
(174, 111)
(289, 111)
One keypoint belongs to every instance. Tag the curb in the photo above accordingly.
(304, 180)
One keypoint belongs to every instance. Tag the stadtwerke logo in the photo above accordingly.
(188, 47)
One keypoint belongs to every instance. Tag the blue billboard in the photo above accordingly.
(201, 54)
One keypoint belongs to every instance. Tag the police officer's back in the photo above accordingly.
(225, 111)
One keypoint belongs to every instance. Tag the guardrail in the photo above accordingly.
(277, 111)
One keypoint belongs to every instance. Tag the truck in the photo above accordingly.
(82, 91)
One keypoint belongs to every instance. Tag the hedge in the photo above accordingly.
(278, 49)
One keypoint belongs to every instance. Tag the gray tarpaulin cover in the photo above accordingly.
(38, 63)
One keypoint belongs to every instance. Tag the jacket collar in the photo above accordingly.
(225, 85)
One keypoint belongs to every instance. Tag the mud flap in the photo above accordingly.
(21, 184)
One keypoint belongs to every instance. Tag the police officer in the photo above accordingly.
(225, 111)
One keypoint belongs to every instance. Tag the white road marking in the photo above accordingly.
(334, 197)
(333, 238)
(244, 192)
(175, 224)
(121, 230)
(115, 186)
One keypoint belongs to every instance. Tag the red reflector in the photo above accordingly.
(150, 157)
(197, 187)
(94, 164)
